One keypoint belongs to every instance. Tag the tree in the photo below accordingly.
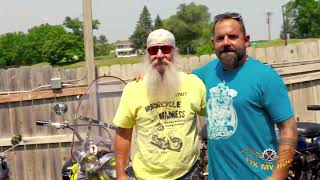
(142, 30)
(76, 25)
(205, 44)
(102, 39)
(302, 19)
(187, 25)
(102, 49)
(158, 22)
(13, 49)
(53, 44)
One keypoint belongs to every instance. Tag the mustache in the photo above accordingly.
(227, 49)
(157, 62)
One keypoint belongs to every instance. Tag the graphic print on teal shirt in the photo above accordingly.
(222, 117)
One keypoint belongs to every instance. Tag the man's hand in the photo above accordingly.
(286, 148)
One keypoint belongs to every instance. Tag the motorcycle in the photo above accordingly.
(306, 163)
(203, 160)
(95, 157)
(4, 168)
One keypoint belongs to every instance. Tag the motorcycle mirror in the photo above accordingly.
(60, 108)
(16, 139)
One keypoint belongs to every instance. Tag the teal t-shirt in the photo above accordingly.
(243, 106)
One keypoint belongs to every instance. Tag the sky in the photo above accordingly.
(118, 18)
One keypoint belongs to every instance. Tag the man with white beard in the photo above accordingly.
(162, 108)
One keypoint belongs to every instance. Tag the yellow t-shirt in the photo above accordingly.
(166, 130)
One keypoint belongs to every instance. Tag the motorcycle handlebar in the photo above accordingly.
(41, 122)
(52, 124)
(98, 122)
(313, 107)
(69, 126)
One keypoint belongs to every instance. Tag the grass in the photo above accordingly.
(108, 61)
(280, 42)
(99, 61)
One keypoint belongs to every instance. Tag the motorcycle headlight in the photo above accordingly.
(108, 166)
(89, 163)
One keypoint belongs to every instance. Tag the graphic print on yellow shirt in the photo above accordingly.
(166, 132)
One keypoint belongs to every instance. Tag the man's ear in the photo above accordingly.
(247, 40)
(212, 40)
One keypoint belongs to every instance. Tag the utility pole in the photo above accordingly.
(88, 40)
(89, 55)
(268, 23)
(284, 26)
(285, 22)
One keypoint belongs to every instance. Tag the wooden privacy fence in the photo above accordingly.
(44, 150)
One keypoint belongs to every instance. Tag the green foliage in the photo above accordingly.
(102, 39)
(49, 43)
(101, 46)
(205, 44)
(53, 44)
(76, 25)
(303, 18)
(157, 23)
(44, 43)
(13, 48)
(188, 26)
(142, 30)
(102, 49)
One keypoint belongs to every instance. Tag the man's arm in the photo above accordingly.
(122, 149)
(286, 148)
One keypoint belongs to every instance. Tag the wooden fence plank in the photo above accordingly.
(18, 163)
(303, 52)
(54, 160)
(44, 94)
(316, 97)
(271, 55)
(302, 78)
(5, 121)
(251, 51)
(43, 161)
(261, 55)
(204, 59)
(305, 68)
(29, 162)
(194, 62)
(115, 70)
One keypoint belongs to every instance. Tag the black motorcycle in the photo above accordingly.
(306, 163)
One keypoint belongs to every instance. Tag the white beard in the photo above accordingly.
(161, 86)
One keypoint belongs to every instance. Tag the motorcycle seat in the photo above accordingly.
(308, 129)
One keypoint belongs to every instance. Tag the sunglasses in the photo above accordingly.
(235, 16)
(164, 49)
